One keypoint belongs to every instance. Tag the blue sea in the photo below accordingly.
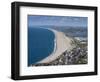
(40, 44)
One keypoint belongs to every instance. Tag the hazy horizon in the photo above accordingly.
(44, 20)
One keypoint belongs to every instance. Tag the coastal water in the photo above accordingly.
(40, 44)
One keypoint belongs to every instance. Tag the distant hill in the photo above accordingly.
(71, 31)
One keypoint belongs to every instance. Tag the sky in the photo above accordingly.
(43, 20)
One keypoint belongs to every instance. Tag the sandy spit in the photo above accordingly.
(63, 43)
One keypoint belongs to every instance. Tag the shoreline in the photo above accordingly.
(62, 43)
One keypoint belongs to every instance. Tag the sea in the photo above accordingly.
(41, 40)
(40, 44)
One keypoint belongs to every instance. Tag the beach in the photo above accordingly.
(63, 43)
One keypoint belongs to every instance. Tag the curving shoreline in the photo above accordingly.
(63, 43)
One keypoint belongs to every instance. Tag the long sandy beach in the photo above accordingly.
(63, 43)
